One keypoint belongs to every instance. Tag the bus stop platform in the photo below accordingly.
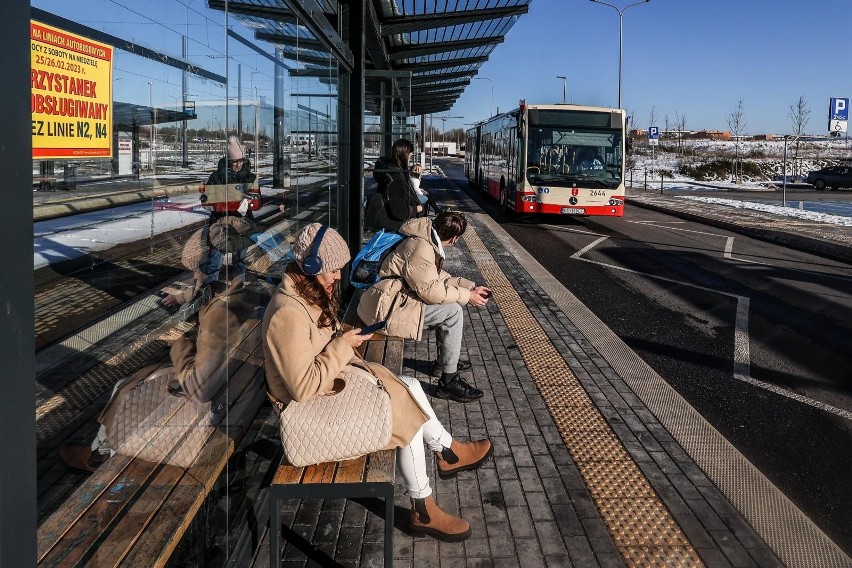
(597, 460)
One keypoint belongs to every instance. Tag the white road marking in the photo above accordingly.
(742, 354)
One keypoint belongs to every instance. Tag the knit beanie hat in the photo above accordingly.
(231, 234)
(235, 149)
(333, 251)
(195, 250)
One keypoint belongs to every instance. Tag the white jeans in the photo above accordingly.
(412, 458)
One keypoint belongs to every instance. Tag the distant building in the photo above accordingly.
(762, 137)
(710, 135)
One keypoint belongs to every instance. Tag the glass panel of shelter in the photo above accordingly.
(387, 119)
(204, 128)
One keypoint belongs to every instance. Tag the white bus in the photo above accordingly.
(561, 159)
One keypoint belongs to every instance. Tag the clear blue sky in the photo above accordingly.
(693, 57)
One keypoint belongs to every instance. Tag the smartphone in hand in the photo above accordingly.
(367, 330)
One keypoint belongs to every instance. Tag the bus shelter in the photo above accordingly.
(311, 88)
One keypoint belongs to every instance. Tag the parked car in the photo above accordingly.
(832, 176)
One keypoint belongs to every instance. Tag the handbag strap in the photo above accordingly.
(275, 402)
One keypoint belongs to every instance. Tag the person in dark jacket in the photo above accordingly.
(236, 168)
(395, 200)
(233, 168)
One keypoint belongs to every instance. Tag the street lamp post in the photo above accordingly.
(256, 128)
(152, 161)
(564, 86)
(491, 107)
(620, 33)
(444, 130)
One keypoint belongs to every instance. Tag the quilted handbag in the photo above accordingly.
(148, 423)
(340, 425)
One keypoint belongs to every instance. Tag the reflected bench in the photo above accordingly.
(134, 512)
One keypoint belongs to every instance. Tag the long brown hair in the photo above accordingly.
(315, 295)
(400, 151)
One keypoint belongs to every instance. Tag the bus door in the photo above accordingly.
(511, 182)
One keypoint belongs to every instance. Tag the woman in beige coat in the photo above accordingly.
(305, 350)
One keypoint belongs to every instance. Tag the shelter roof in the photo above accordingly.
(423, 45)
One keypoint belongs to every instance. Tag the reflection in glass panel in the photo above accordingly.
(162, 221)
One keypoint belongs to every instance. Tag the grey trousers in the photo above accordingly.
(448, 322)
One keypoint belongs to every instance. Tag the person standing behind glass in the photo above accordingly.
(395, 200)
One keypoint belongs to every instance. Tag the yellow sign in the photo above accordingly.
(71, 99)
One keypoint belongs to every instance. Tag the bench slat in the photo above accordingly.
(381, 467)
(393, 354)
(320, 473)
(101, 516)
(119, 541)
(287, 474)
(165, 530)
(351, 471)
(375, 350)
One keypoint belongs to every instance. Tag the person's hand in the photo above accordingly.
(419, 208)
(170, 296)
(479, 296)
(353, 338)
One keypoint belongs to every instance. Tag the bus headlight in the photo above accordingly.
(530, 199)
(614, 201)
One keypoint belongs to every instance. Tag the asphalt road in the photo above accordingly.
(739, 335)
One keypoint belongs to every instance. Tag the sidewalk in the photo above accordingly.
(597, 461)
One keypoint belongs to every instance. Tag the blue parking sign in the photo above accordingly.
(653, 136)
(838, 108)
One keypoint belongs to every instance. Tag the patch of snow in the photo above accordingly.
(776, 210)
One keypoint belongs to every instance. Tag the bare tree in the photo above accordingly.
(680, 126)
(800, 114)
(737, 124)
(666, 125)
(652, 117)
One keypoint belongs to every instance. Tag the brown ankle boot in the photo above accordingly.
(77, 456)
(428, 518)
(462, 456)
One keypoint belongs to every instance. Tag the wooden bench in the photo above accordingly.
(367, 476)
(134, 512)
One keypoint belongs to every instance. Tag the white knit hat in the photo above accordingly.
(235, 149)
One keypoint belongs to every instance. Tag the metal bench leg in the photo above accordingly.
(274, 529)
(389, 528)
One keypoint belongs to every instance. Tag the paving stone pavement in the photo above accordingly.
(531, 505)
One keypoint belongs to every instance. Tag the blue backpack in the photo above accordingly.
(366, 264)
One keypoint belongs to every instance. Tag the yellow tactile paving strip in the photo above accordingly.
(643, 529)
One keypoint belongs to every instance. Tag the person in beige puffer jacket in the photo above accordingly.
(415, 293)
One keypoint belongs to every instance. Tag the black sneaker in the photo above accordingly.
(455, 388)
(463, 365)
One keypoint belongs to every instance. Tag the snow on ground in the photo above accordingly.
(57, 240)
(776, 210)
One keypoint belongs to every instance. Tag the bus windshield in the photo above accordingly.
(587, 156)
